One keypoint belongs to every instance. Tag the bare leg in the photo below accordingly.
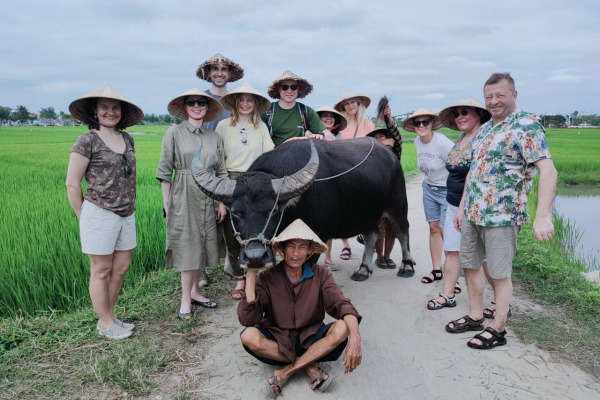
(475, 286)
(452, 272)
(121, 261)
(194, 292)
(187, 281)
(390, 240)
(379, 248)
(328, 259)
(436, 246)
(503, 294)
(101, 267)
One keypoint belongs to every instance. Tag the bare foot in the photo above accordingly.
(315, 377)
(278, 381)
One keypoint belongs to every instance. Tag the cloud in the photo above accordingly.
(433, 96)
(564, 75)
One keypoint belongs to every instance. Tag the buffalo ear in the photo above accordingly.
(212, 186)
(293, 186)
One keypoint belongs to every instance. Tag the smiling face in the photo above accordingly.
(289, 95)
(500, 99)
(196, 111)
(296, 251)
(108, 112)
(219, 74)
(245, 104)
(350, 106)
(467, 123)
(328, 119)
(424, 132)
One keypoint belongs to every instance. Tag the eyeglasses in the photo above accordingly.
(286, 87)
(191, 102)
(464, 112)
(244, 137)
(425, 122)
(124, 162)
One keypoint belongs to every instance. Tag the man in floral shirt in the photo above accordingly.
(507, 153)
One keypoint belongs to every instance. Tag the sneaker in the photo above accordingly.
(125, 325)
(114, 332)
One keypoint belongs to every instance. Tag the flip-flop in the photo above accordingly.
(360, 239)
(322, 387)
(346, 252)
(237, 292)
(271, 392)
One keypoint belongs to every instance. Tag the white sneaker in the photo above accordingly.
(114, 332)
(125, 325)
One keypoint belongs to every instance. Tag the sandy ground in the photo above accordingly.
(406, 352)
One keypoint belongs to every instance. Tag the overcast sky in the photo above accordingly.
(421, 53)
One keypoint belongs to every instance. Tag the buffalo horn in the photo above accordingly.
(296, 184)
(212, 186)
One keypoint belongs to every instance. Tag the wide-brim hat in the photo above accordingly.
(304, 88)
(83, 107)
(448, 120)
(380, 130)
(408, 124)
(235, 71)
(339, 117)
(177, 109)
(228, 100)
(352, 95)
(299, 230)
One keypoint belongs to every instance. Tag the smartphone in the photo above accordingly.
(164, 213)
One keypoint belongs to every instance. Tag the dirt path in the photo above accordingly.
(406, 352)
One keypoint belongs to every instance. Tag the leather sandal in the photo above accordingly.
(450, 302)
(321, 387)
(492, 311)
(497, 339)
(469, 325)
(457, 288)
(437, 275)
(237, 294)
(268, 384)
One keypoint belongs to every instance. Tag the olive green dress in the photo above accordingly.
(192, 240)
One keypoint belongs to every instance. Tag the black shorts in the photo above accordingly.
(333, 356)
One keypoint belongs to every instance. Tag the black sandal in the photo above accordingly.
(437, 275)
(469, 325)
(457, 288)
(346, 253)
(492, 312)
(497, 339)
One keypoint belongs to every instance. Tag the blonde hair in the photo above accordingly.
(254, 116)
(360, 113)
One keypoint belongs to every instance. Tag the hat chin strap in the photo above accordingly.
(307, 257)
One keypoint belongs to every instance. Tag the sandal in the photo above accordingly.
(492, 311)
(331, 266)
(469, 325)
(437, 275)
(346, 253)
(497, 339)
(271, 392)
(321, 387)
(457, 288)
(450, 302)
(360, 239)
(237, 294)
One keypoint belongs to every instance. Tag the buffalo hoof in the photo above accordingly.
(359, 277)
(406, 272)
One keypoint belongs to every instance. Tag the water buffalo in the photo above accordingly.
(339, 189)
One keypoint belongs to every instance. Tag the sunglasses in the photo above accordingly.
(126, 164)
(464, 112)
(191, 102)
(244, 137)
(425, 122)
(286, 87)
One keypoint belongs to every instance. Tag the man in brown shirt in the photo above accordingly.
(284, 308)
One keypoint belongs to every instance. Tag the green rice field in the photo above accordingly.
(42, 268)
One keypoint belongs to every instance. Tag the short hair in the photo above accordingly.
(497, 77)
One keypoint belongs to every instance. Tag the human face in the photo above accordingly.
(108, 112)
(380, 136)
(219, 74)
(328, 119)
(196, 112)
(500, 99)
(289, 96)
(467, 123)
(296, 251)
(424, 132)
(245, 104)
(350, 106)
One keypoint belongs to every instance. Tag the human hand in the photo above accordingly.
(388, 142)
(543, 230)
(388, 113)
(165, 209)
(221, 212)
(296, 138)
(458, 218)
(353, 354)
(316, 136)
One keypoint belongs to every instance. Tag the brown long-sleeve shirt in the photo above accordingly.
(289, 311)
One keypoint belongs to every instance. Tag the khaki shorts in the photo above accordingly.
(104, 232)
(497, 244)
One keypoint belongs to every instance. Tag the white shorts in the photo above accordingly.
(103, 232)
(451, 235)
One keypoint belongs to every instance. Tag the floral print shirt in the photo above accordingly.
(108, 185)
(502, 170)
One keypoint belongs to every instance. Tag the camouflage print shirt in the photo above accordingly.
(502, 170)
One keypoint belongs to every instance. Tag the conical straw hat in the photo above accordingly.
(304, 88)
(235, 71)
(351, 95)
(339, 118)
(83, 107)
(408, 124)
(228, 100)
(177, 109)
(448, 120)
(298, 230)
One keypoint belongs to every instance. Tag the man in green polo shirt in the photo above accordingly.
(288, 118)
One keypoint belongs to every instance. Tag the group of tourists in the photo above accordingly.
(484, 176)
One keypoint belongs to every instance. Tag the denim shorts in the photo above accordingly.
(332, 356)
(434, 203)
